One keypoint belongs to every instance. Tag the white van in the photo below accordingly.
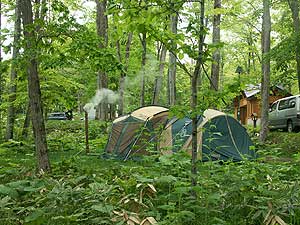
(285, 113)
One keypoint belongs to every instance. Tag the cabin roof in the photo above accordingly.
(251, 90)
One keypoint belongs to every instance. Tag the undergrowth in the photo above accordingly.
(85, 189)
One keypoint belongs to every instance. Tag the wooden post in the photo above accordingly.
(86, 123)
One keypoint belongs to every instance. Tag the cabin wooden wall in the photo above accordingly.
(249, 106)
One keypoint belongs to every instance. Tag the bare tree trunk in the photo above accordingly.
(215, 66)
(102, 81)
(221, 72)
(249, 54)
(172, 65)
(13, 75)
(40, 13)
(252, 53)
(158, 81)
(34, 90)
(26, 123)
(253, 61)
(144, 45)
(294, 6)
(199, 62)
(265, 87)
(123, 74)
(1, 75)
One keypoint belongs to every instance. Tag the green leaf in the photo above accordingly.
(186, 214)
(180, 56)
(34, 216)
(32, 189)
(5, 190)
(214, 197)
(166, 179)
(19, 184)
(73, 217)
(182, 190)
(168, 207)
(2, 151)
(5, 201)
(103, 208)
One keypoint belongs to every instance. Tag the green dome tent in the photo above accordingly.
(220, 137)
(132, 134)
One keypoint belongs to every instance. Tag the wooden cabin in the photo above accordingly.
(250, 102)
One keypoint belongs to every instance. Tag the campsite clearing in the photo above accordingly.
(86, 189)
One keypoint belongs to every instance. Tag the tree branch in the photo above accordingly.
(210, 81)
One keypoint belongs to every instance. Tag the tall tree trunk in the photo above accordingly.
(13, 74)
(265, 84)
(196, 73)
(158, 81)
(172, 65)
(26, 123)
(144, 45)
(215, 67)
(1, 75)
(253, 54)
(124, 73)
(222, 76)
(102, 80)
(34, 90)
(40, 13)
(249, 54)
(294, 6)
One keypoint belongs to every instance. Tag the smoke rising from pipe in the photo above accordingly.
(102, 96)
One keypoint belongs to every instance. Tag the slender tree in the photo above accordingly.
(34, 91)
(215, 67)
(294, 6)
(251, 53)
(194, 97)
(265, 84)
(26, 123)
(143, 39)
(102, 80)
(162, 52)
(1, 75)
(123, 72)
(172, 63)
(13, 74)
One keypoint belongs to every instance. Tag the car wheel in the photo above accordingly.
(290, 127)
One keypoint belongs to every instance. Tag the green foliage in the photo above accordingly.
(89, 190)
(289, 143)
(229, 193)
(70, 135)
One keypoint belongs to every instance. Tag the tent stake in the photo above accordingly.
(86, 125)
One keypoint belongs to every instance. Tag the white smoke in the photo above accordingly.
(102, 96)
(105, 96)
(149, 72)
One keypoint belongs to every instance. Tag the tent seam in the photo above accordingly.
(233, 141)
(137, 138)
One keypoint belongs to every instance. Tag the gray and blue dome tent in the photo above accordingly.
(132, 134)
(220, 137)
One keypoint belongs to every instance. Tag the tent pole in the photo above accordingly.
(86, 125)
(128, 153)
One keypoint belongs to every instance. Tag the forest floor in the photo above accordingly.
(87, 189)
